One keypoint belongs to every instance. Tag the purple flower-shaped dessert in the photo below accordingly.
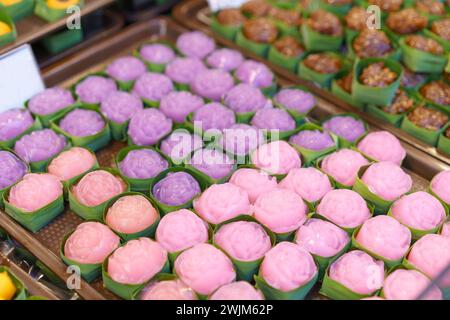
(50, 101)
(295, 99)
(255, 73)
(148, 126)
(225, 59)
(315, 140)
(212, 162)
(152, 86)
(143, 164)
(273, 119)
(178, 105)
(157, 53)
(212, 84)
(180, 144)
(126, 69)
(39, 145)
(195, 44)
(176, 189)
(14, 122)
(12, 169)
(184, 70)
(120, 106)
(214, 116)
(82, 123)
(94, 89)
(245, 98)
(346, 127)
(240, 139)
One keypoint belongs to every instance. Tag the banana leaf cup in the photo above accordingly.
(154, 67)
(245, 270)
(322, 79)
(438, 38)
(207, 179)
(315, 41)
(299, 117)
(62, 40)
(339, 92)
(339, 10)
(45, 119)
(211, 135)
(289, 63)
(164, 208)
(37, 125)
(92, 106)
(10, 36)
(270, 293)
(36, 220)
(160, 277)
(444, 141)
(91, 213)
(49, 14)
(394, 54)
(2, 191)
(375, 95)
(148, 232)
(19, 10)
(342, 142)
(21, 292)
(441, 107)
(428, 136)
(41, 166)
(260, 49)
(228, 32)
(94, 142)
(123, 290)
(137, 185)
(323, 263)
(422, 61)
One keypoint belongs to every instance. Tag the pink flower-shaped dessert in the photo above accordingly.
(222, 202)
(419, 210)
(287, 266)
(346, 208)
(382, 146)
(212, 162)
(204, 268)
(280, 210)
(440, 185)
(387, 180)
(35, 191)
(131, 214)
(408, 285)
(243, 240)
(308, 183)
(182, 229)
(168, 290)
(72, 163)
(240, 290)
(343, 166)
(276, 157)
(254, 181)
(137, 261)
(321, 238)
(91, 243)
(385, 237)
(358, 271)
(97, 187)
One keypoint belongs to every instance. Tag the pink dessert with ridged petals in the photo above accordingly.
(254, 181)
(382, 146)
(280, 210)
(72, 163)
(321, 238)
(35, 191)
(97, 187)
(431, 255)
(358, 271)
(276, 157)
(222, 202)
(408, 285)
(343, 166)
(440, 185)
(287, 266)
(137, 261)
(240, 290)
(308, 183)
(182, 229)
(346, 208)
(243, 240)
(419, 210)
(387, 180)
(168, 290)
(204, 268)
(91, 243)
(385, 237)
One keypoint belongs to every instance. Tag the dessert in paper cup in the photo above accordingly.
(92, 89)
(35, 200)
(204, 268)
(288, 272)
(132, 215)
(212, 165)
(225, 59)
(133, 265)
(147, 127)
(179, 145)
(126, 70)
(254, 181)
(195, 44)
(152, 87)
(14, 124)
(12, 169)
(239, 290)
(382, 146)
(156, 56)
(182, 71)
(276, 158)
(167, 287)
(244, 99)
(87, 247)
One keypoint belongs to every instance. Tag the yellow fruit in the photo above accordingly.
(9, 2)
(61, 4)
(7, 287)
(4, 28)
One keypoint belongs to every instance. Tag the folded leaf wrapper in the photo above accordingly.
(11, 36)
(421, 61)
(323, 79)
(49, 14)
(280, 59)
(428, 136)
(315, 41)
(444, 141)
(19, 10)
(37, 125)
(228, 32)
(274, 294)
(261, 49)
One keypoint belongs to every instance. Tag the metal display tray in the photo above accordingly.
(195, 14)
(45, 243)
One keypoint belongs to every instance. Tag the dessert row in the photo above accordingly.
(398, 73)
